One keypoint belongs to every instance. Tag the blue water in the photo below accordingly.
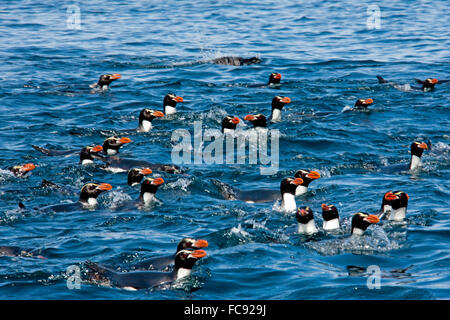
(328, 58)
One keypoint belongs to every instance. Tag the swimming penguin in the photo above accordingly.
(112, 145)
(394, 205)
(415, 163)
(161, 263)
(274, 79)
(135, 175)
(135, 280)
(427, 84)
(13, 251)
(330, 217)
(87, 154)
(307, 176)
(287, 190)
(278, 103)
(145, 119)
(105, 80)
(115, 165)
(170, 103)
(21, 170)
(362, 104)
(229, 124)
(236, 61)
(148, 189)
(259, 121)
(361, 221)
(305, 219)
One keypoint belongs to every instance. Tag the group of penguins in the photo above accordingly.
(154, 272)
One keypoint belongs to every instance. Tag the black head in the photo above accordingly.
(151, 185)
(396, 199)
(274, 78)
(114, 143)
(88, 152)
(429, 84)
(278, 102)
(289, 185)
(172, 99)
(22, 169)
(258, 120)
(149, 115)
(307, 176)
(251, 60)
(230, 122)
(417, 148)
(304, 215)
(363, 103)
(136, 175)
(329, 212)
(363, 220)
(93, 190)
(189, 243)
(106, 79)
(187, 258)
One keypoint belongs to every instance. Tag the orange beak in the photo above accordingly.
(105, 187)
(372, 218)
(277, 76)
(235, 120)
(313, 175)
(297, 181)
(158, 181)
(407, 196)
(124, 140)
(434, 81)
(390, 196)
(198, 254)
(116, 76)
(178, 99)
(303, 212)
(286, 100)
(158, 114)
(201, 243)
(368, 101)
(249, 117)
(325, 207)
(423, 145)
(146, 171)
(28, 167)
(97, 149)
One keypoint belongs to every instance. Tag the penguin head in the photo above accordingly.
(307, 176)
(304, 215)
(363, 103)
(274, 78)
(329, 212)
(23, 169)
(111, 145)
(93, 190)
(278, 102)
(429, 84)
(230, 122)
(189, 243)
(149, 115)
(151, 185)
(88, 152)
(396, 200)
(288, 185)
(187, 258)
(106, 79)
(171, 100)
(258, 120)
(135, 175)
(417, 148)
(363, 220)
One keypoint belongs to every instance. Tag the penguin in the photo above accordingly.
(229, 124)
(87, 154)
(287, 190)
(135, 175)
(21, 170)
(236, 61)
(13, 251)
(145, 119)
(274, 79)
(161, 263)
(112, 145)
(305, 219)
(394, 205)
(115, 165)
(427, 84)
(259, 121)
(361, 221)
(362, 104)
(148, 190)
(136, 280)
(330, 217)
(278, 103)
(170, 103)
(415, 162)
(105, 80)
(307, 176)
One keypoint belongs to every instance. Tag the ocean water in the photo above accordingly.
(328, 53)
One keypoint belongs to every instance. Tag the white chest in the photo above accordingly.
(182, 272)
(146, 126)
(85, 162)
(169, 110)
(288, 203)
(276, 115)
(331, 225)
(111, 152)
(307, 228)
(300, 190)
(398, 215)
(148, 197)
(228, 130)
(358, 231)
(416, 162)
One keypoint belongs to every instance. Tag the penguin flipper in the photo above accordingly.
(381, 80)
(43, 150)
(419, 81)
(100, 270)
